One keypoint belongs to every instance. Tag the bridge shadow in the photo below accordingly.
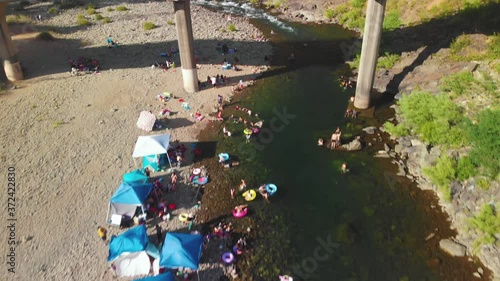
(434, 35)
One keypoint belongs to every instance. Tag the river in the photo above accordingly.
(377, 222)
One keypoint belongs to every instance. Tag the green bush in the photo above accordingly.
(169, 22)
(483, 183)
(121, 8)
(82, 21)
(275, 4)
(465, 168)
(487, 223)
(458, 83)
(91, 11)
(231, 27)
(45, 36)
(388, 60)
(98, 17)
(329, 13)
(391, 20)
(18, 19)
(355, 63)
(494, 46)
(53, 11)
(397, 131)
(358, 3)
(442, 174)
(435, 119)
(90, 6)
(460, 43)
(148, 25)
(109, 9)
(106, 20)
(485, 142)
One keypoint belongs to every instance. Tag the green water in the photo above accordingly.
(378, 224)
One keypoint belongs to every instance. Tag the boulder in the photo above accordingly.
(370, 130)
(386, 147)
(453, 248)
(353, 146)
(398, 148)
(415, 142)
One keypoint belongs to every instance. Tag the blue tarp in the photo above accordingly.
(136, 176)
(181, 249)
(131, 193)
(132, 240)
(161, 277)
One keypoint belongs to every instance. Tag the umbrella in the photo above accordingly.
(146, 121)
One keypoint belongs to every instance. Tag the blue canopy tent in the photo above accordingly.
(160, 277)
(127, 198)
(129, 253)
(132, 240)
(136, 176)
(181, 250)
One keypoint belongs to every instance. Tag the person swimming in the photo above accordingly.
(320, 142)
(343, 168)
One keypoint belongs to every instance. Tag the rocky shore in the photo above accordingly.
(412, 155)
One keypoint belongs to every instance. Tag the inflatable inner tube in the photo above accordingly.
(247, 131)
(241, 214)
(183, 217)
(227, 257)
(196, 171)
(271, 189)
(223, 157)
(255, 130)
(200, 180)
(249, 195)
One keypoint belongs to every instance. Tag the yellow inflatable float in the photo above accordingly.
(249, 195)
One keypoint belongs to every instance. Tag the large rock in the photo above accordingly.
(370, 130)
(453, 248)
(353, 146)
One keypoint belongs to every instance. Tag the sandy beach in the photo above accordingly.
(70, 138)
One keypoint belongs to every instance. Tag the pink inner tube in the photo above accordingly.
(255, 130)
(241, 214)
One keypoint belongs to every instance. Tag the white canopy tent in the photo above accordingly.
(151, 145)
(132, 264)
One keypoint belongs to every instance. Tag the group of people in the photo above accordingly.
(334, 140)
(351, 113)
(217, 80)
(83, 64)
(345, 82)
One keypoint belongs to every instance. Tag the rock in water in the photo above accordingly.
(370, 130)
(353, 146)
(452, 248)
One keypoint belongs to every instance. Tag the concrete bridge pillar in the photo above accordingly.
(186, 49)
(369, 52)
(11, 64)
